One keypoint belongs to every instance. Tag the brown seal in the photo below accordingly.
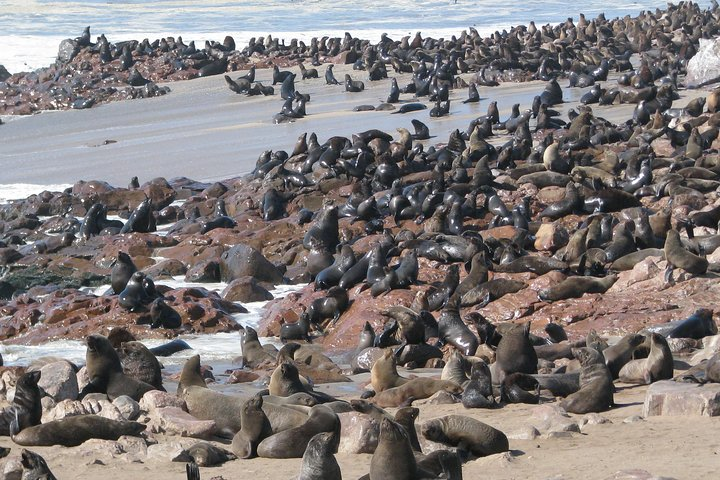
(415, 389)
(393, 458)
(253, 353)
(576, 287)
(621, 353)
(384, 373)
(657, 366)
(291, 443)
(467, 434)
(106, 373)
(478, 392)
(226, 410)
(285, 381)
(312, 365)
(35, 467)
(205, 454)
(596, 384)
(406, 417)
(254, 422)
(515, 353)
(679, 257)
(73, 431)
(318, 461)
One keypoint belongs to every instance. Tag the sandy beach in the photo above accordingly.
(203, 131)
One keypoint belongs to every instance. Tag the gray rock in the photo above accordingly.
(67, 50)
(59, 380)
(674, 398)
(174, 421)
(129, 408)
(552, 418)
(4, 74)
(358, 433)
(526, 433)
(155, 399)
(13, 469)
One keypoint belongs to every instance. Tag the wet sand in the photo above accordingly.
(204, 131)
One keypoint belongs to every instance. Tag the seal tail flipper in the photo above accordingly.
(192, 470)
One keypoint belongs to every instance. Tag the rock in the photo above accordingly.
(207, 271)
(175, 421)
(364, 360)
(155, 399)
(67, 50)
(705, 65)
(244, 261)
(358, 433)
(59, 380)
(551, 237)
(593, 419)
(633, 419)
(66, 408)
(242, 376)
(685, 345)
(4, 74)
(634, 474)
(552, 418)
(246, 289)
(166, 269)
(99, 451)
(135, 448)
(526, 433)
(646, 272)
(128, 408)
(673, 398)
(165, 451)
(13, 469)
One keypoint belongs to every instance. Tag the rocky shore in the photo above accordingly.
(567, 258)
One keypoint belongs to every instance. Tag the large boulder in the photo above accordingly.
(704, 67)
(668, 397)
(244, 261)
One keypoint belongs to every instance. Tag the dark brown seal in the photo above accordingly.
(515, 353)
(26, 408)
(596, 384)
(139, 363)
(291, 443)
(318, 461)
(254, 422)
(73, 431)
(467, 434)
(106, 373)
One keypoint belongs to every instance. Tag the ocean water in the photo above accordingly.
(30, 30)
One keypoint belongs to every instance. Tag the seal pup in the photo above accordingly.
(470, 436)
(291, 443)
(105, 372)
(414, 389)
(384, 375)
(596, 384)
(25, 408)
(657, 366)
(616, 356)
(318, 461)
(73, 431)
(205, 454)
(406, 417)
(353, 86)
(134, 296)
(163, 316)
(254, 422)
(576, 287)
(679, 257)
(35, 467)
(330, 76)
(478, 392)
(122, 270)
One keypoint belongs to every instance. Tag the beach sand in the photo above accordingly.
(204, 131)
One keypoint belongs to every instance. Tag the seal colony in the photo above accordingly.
(494, 255)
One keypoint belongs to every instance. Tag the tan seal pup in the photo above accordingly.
(657, 366)
(415, 389)
(384, 375)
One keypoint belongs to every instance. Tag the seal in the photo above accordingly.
(596, 384)
(478, 392)
(134, 296)
(616, 356)
(35, 467)
(324, 232)
(163, 316)
(138, 362)
(141, 220)
(205, 454)
(516, 388)
(452, 329)
(167, 349)
(455, 368)
(470, 436)
(384, 375)
(330, 76)
(331, 276)
(576, 287)
(414, 389)
(254, 422)
(106, 372)
(331, 306)
(299, 330)
(406, 417)
(121, 272)
(657, 366)
(285, 381)
(314, 366)
(393, 458)
(292, 443)
(353, 86)
(411, 326)
(73, 431)
(226, 410)
(515, 353)
(318, 461)
(254, 354)
(25, 408)
(698, 325)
